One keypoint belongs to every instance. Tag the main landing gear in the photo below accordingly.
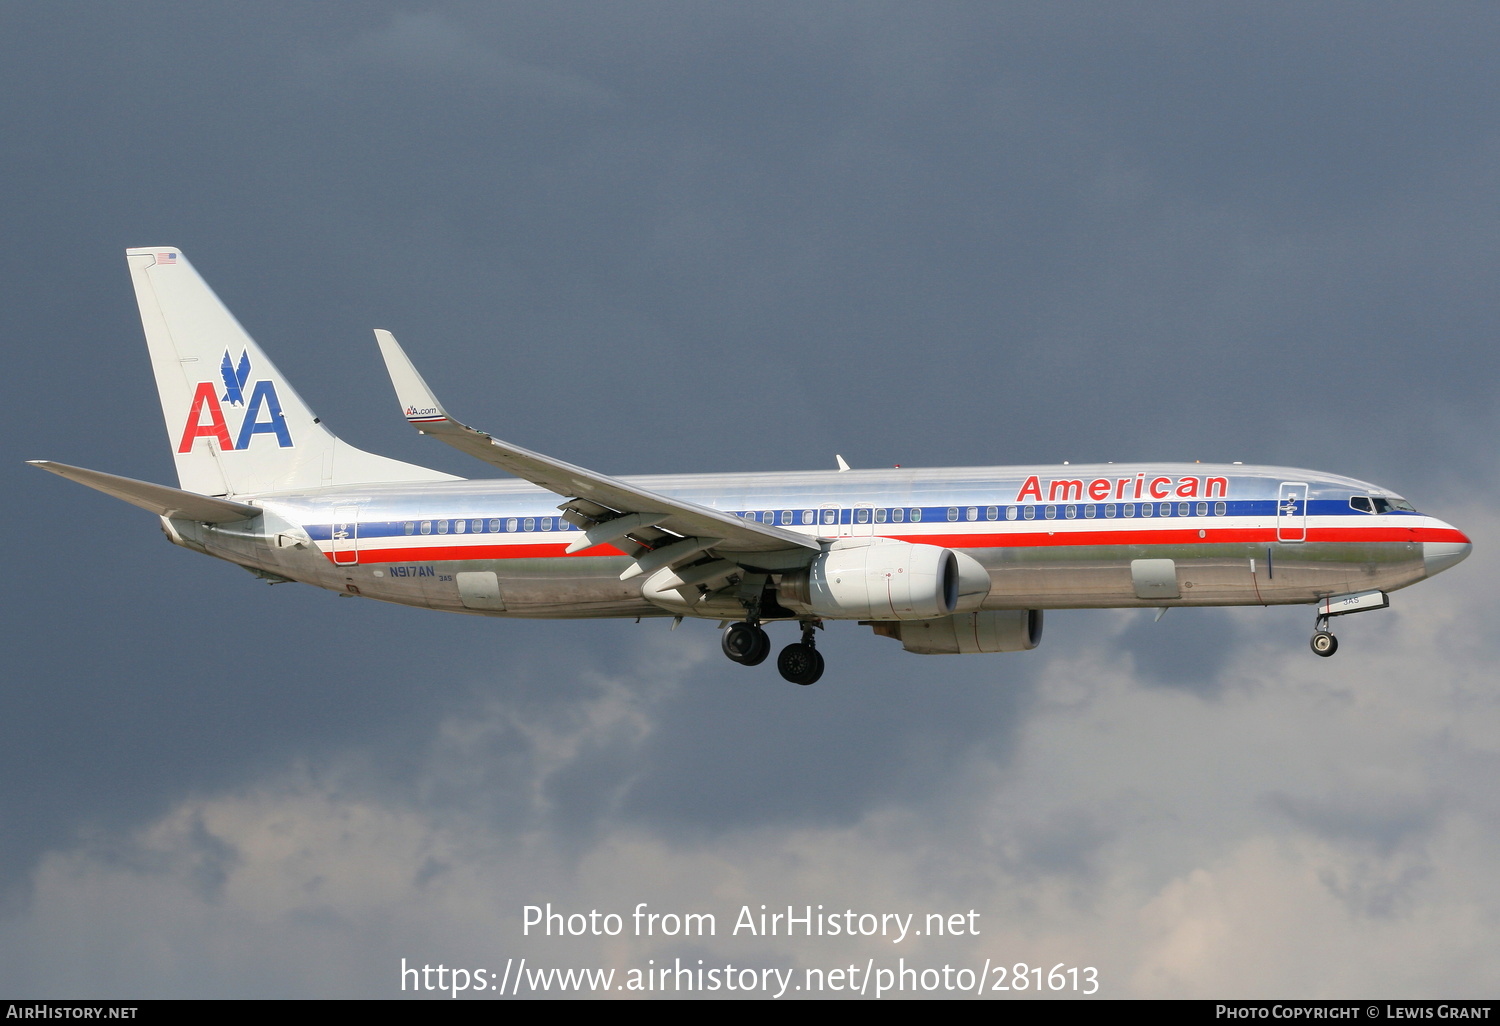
(801, 662)
(748, 644)
(1323, 641)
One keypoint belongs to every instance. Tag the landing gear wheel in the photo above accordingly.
(800, 664)
(1324, 644)
(746, 644)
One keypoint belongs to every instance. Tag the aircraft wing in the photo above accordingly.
(159, 499)
(627, 510)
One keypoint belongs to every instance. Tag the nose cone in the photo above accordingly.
(1440, 555)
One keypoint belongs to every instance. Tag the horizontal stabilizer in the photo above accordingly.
(159, 499)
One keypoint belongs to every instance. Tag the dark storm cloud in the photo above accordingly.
(678, 237)
(1064, 843)
(739, 754)
(1379, 822)
(1077, 221)
(1186, 648)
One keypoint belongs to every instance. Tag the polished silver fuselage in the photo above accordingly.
(1049, 537)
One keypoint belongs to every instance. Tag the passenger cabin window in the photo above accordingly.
(991, 513)
(494, 527)
(410, 527)
(513, 525)
(952, 513)
(972, 513)
(1050, 513)
(1030, 512)
(916, 514)
(427, 527)
(1220, 509)
(786, 516)
(442, 527)
(460, 526)
(1128, 509)
(1072, 513)
(1090, 511)
(1010, 512)
(1109, 511)
(1147, 509)
(880, 516)
(898, 515)
(530, 524)
(807, 516)
(861, 516)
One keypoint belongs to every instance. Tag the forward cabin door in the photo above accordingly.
(1291, 512)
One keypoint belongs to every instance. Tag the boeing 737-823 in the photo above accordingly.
(943, 561)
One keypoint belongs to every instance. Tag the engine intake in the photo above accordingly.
(885, 579)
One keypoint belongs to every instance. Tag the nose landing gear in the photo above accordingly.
(1323, 641)
(1324, 644)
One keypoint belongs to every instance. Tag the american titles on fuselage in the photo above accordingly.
(1099, 489)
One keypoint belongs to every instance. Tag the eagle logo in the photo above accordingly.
(235, 378)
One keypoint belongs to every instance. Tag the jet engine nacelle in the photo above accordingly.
(885, 579)
(997, 630)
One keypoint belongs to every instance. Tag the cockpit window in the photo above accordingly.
(1382, 505)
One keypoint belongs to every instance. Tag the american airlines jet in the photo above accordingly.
(950, 561)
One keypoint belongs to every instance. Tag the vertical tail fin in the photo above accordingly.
(235, 424)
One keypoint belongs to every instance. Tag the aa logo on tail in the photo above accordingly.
(262, 416)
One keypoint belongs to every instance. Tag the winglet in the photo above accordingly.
(417, 401)
(688, 520)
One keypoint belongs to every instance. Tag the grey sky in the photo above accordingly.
(687, 237)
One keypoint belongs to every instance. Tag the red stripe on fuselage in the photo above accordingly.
(437, 553)
(1030, 539)
(1187, 536)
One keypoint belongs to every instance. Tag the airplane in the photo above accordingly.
(944, 561)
